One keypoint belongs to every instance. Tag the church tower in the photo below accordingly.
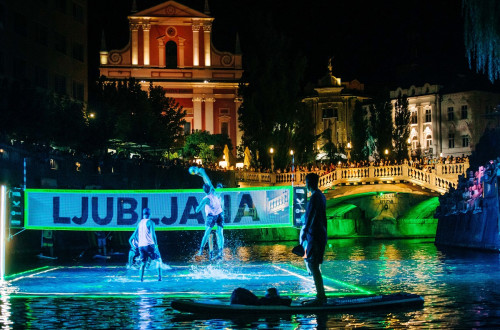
(170, 45)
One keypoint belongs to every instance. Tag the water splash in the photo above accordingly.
(219, 272)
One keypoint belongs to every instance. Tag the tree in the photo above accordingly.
(360, 150)
(329, 148)
(482, 35)
(125, 112)
(271, 114)
(166, 130)
(381, 125)
(401, 127)
(202, 144)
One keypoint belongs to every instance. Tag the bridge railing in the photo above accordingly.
(438, 179)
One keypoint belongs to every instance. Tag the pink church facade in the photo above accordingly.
(170, 45)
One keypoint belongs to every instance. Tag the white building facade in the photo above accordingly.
(447, 124)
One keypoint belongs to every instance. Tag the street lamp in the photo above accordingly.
(386, 153)
(293, 166)
(271, 151)
(349, 151)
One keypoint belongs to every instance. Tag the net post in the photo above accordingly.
(3, 225)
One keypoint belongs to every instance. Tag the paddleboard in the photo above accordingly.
(213, 306)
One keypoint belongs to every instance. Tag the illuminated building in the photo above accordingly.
(332, 107)
(447, 122)
(45, 43)
(170, 46)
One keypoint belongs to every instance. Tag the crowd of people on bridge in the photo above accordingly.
(426, 164)
(471, 190)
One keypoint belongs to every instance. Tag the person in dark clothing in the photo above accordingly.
(313, 236)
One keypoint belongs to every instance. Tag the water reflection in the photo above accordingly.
(460, 289)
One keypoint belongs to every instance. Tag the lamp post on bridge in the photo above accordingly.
(293, 166)
(349, 147)
(271, 151)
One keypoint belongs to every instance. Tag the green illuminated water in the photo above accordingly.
(460, 289)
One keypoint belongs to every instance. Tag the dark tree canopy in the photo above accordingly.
(271, 114)
(381, 125)
(125, 112)
(401, 127)
(359, 133)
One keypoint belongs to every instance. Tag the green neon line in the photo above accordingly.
(80, 191)
(157, 228)
(26, 272)
(351, 286)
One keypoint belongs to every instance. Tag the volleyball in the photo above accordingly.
(193, 170)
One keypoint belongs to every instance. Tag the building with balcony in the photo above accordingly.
(447, 123)
(170, 46)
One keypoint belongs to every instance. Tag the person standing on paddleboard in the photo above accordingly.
(313, 236)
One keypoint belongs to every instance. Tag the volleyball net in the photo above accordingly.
(171, 210)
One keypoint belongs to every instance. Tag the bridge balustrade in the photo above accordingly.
(433, 180)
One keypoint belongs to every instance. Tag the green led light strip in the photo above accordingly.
(31, 273)
(26, 272)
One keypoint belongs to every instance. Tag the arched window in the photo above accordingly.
(171, 55)
(428, 141)
(414, 143)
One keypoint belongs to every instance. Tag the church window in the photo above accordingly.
(171, 55)
(224, 128)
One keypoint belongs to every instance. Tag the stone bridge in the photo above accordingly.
(384, 201)
(437, 178)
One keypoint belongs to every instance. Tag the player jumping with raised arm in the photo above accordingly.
(212, 203)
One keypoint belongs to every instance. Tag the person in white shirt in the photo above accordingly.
(212, 203)
(147, 242)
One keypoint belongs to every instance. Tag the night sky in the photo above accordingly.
(380, 43)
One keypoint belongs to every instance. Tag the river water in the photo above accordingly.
(461, 289)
